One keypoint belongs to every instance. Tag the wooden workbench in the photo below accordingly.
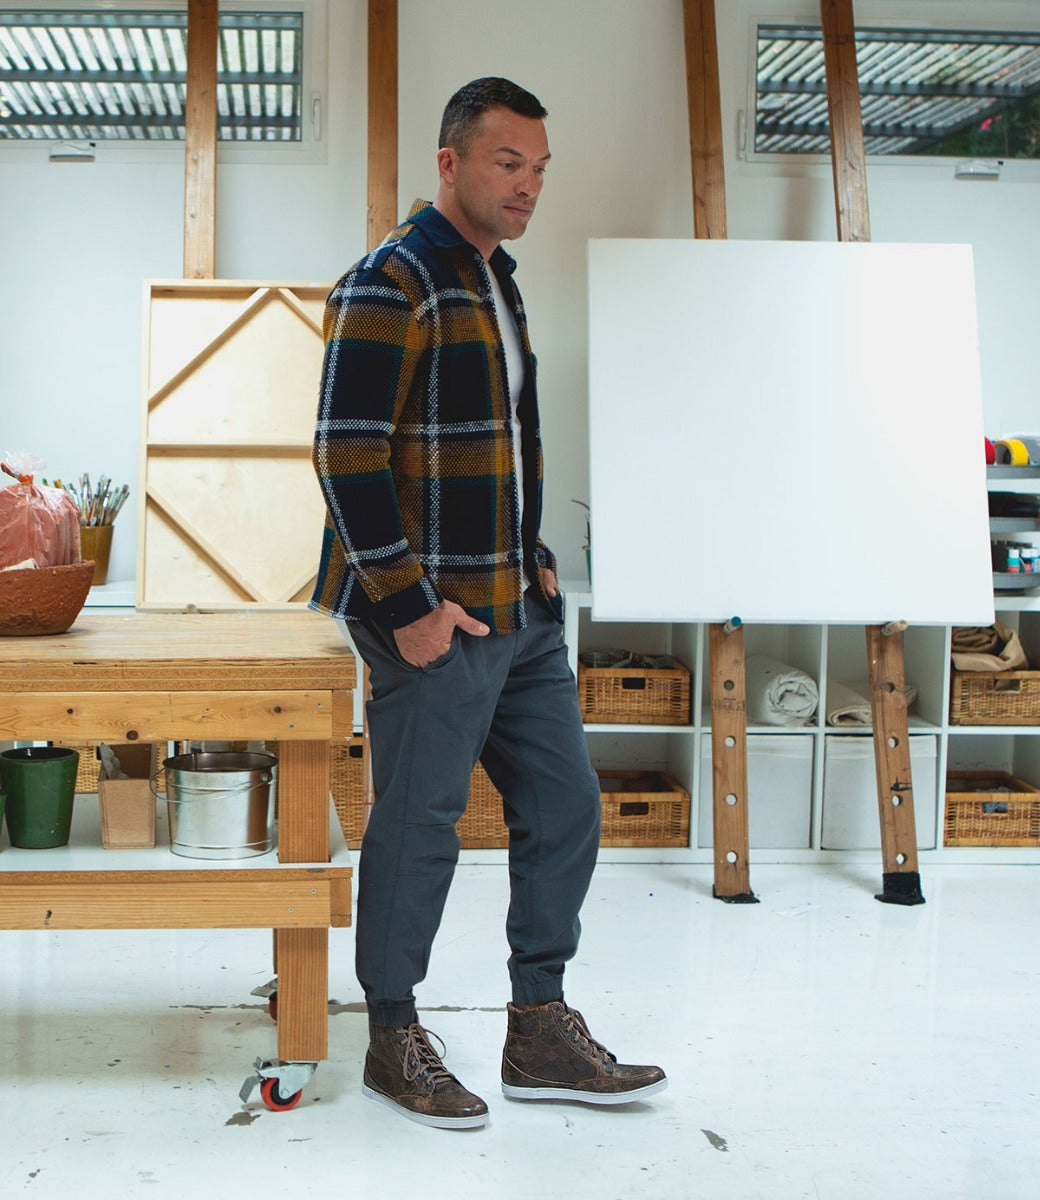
(153, 677)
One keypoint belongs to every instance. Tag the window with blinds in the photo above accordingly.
(923, 92)
(120, 74)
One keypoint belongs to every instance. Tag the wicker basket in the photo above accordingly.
(635, 695)
(991, 808)
(639, 808)
(995, 698)
(348, 775)
(89, 768)
(482, 826)
(643, 808)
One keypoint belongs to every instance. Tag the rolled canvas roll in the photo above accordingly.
(849, 703)
(778, 693)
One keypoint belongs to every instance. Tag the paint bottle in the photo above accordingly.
(1014, 562)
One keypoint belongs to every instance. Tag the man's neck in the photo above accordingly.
(449, 211)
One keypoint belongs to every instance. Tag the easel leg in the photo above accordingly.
(729, 766)
(901, 880)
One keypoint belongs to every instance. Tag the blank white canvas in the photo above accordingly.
(786, 432)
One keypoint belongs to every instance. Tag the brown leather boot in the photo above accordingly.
(550, 1055)
(404, 1072)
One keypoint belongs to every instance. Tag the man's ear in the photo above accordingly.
(446, 160)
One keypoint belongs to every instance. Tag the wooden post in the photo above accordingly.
(901, 879)
(848, 159)
(382, 195)
(728, 708)
(705, 109)
(200, 142)
(382, 119)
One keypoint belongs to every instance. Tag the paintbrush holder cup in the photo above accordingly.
(95, 542)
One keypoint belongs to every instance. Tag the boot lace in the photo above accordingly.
(573, 1024)
(421, 1061)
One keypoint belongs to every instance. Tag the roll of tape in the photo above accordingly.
(991, 453)
(1012, 452)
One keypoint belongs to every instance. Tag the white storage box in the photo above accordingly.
(850, 804)
(779, 791)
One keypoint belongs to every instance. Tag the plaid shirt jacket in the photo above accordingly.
(413, 447)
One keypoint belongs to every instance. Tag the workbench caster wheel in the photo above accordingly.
(269, 992)
(274, 1099)
(281, 1083)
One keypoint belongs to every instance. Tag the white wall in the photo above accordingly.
(76, 241)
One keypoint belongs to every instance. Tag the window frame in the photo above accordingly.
(311, 147)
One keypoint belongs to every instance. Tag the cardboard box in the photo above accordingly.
(128, 805)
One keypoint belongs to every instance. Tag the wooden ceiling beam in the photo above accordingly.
(848, 158)
(200, 142)
(705, 112)
(382, 119)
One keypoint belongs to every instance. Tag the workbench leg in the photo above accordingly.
(302, 955)
(303, 802)
(901, 880)
(729, 766)
(303, 994)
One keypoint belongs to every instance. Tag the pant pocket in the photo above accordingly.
(385, 640)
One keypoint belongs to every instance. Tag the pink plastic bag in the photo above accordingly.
(40, 523)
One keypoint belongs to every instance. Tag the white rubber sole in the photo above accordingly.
(560, 1093)
(475, 1122)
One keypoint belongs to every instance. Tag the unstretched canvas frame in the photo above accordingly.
(786, 432)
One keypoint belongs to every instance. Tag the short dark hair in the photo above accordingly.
(464, 110)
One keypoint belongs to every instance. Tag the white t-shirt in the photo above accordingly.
(515, 380)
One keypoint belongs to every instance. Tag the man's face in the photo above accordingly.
(494, 186)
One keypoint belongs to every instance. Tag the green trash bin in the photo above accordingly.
(40, 782)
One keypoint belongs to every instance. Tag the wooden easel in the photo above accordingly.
(901, 878)
(901, 881)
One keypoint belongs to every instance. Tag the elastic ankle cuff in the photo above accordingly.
(393, 1014)
(534, 993)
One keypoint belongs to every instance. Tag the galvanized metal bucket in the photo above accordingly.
(221, 804)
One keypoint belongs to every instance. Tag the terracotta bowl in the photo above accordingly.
(36, 601)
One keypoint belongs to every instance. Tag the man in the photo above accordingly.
(427, 449)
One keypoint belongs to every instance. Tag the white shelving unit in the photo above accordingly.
(1016, 593)
(84, 851)
(826, 652)
(825, 798)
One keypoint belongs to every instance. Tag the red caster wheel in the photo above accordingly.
(272, 1006)
(274, 1099)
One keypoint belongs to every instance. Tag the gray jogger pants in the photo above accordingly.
(510, 701)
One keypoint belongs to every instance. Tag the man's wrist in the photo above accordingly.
(407, 606)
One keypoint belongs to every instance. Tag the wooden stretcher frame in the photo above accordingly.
(231, 514)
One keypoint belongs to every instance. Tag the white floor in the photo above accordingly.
(819, 1044)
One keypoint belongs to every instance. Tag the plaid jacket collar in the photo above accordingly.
(440, 232)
